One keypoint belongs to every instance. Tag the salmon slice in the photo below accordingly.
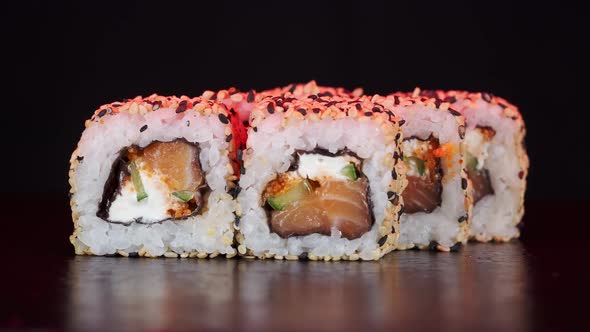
(482, 185)
(423, 194)
(177, 161)
(340, 204)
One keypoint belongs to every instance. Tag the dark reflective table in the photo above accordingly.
(533, 284)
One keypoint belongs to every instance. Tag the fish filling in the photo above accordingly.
(424, 190)
(322, 192)
(477, 141)
(160, 182)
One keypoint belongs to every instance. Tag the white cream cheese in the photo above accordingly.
(125, 208)
(477, 146)
(317, 166)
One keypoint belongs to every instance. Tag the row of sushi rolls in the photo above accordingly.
(302, 172)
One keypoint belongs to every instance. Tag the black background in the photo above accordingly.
(64, 59)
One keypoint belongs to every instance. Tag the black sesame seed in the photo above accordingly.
(437, 102)
(382, 240)
(292, 88)
(242, 169)
(302, 111)
(181, 107)
(395, 100)
(432, 245)
(234, 192)
(456, 247)
(188, 123)
(390, 194)
(462, 218)
(462, 131)
(398, 136)
(368, 113)
(303, 256)
(102, 113)
(401, 123)
(394, 174)
(358, 106)
(486, 97)
(325, 94)
(376, 109)
(223, 118)
(313, 96)
(250, 96)
(393, 229)
(80, 158)
(316, 110)
(237, 221)
(143, 128)
(255, 129)
(395, 155)
(270, 108)
(502, 105)
(228, 138)
(451, 99)
(455, 113)
(464, 183)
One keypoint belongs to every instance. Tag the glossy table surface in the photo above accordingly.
(536, 283)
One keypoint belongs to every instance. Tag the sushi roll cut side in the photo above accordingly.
(154, 176)
(496, 160)
(436, 201)
(320, 180)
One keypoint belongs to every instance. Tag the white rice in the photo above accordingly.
(495, 215)
(100, 145)
(441, 225)
(270, 152)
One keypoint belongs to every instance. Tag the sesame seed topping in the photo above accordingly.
(228, 138)
(255, 129)
(462, 131)
(464, 183)
(250, 97)
(223, 118)
(401, 123)
(462, 218)
(302, 111)
(80, 158)
(368, 113)
(382, 240)
(316, 110)
(394, 174)
(143, 128)
(313, 96)
(455, 113)
(358, 106)
(486, 97)
(376, 109)
(270, 107)
(181, 107)
(102, 113)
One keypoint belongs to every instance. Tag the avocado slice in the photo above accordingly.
(137, 183)
(416, 162)
(296, 192)
(184, 195)
(349, 171)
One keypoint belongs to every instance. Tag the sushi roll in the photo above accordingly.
(436, 210)
(151, 177)
(314, 90)
(496, 160)
(319, 180)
